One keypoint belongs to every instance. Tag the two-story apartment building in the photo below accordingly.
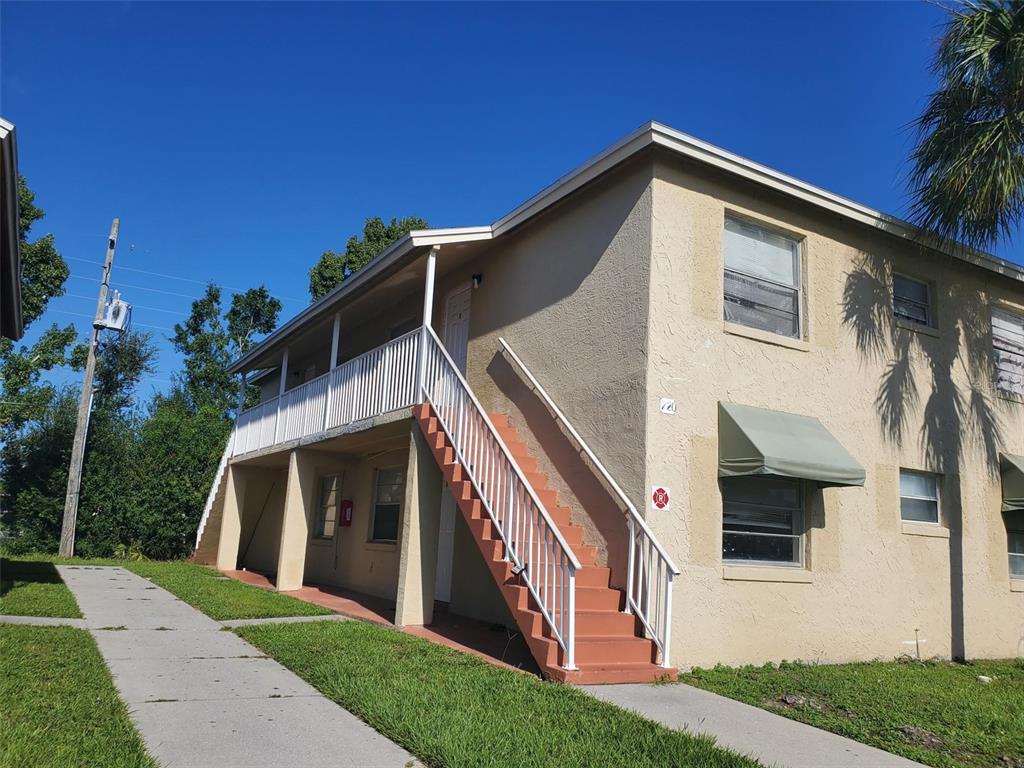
(676, 409)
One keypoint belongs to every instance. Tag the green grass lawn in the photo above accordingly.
(60, 708)
(937, 713)
(220, 597)
(452, 709)
(34, 588)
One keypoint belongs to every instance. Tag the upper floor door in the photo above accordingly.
(456, 324)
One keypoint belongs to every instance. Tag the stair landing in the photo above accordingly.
(610, 645)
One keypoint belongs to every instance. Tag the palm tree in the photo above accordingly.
(968, 167)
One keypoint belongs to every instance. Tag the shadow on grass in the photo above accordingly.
(23, 572)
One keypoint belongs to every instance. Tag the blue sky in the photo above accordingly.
(238, 141)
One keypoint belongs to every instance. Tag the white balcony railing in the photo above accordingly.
(378, 381)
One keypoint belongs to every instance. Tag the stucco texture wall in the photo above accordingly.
(892, 396)
(569, 293)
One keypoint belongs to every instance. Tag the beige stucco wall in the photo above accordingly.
(568, 292)
(875, 590)
(261, 519)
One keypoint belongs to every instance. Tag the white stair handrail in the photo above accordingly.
(533, 543)
(641, 551)
(215, 486)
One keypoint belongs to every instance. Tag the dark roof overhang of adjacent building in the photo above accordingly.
(1011, 470)
(651, 135)
(11, 325)
(759, 441)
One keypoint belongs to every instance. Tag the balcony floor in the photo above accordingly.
(495, 645)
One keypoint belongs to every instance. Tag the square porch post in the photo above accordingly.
(428, 312)
(280, 395)
(331, 365)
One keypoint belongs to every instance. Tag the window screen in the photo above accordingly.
(762, 278)
(327, 511)
(762, 519)
(911, 300)
(919, 497)
(1008, 350)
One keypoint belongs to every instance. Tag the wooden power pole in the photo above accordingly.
(67, 531)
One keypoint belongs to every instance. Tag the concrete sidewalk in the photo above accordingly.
(772, 739)
(202, 696)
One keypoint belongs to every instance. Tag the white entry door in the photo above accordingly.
(456, 324)
(456, 340)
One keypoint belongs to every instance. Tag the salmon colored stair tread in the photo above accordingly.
(610, 646)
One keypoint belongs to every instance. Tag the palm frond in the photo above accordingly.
(967, 178)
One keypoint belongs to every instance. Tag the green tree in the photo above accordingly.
(209, 341)
(24, 395)
(334, 268)
(968, 167)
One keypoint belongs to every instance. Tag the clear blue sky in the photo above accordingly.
(237, 141)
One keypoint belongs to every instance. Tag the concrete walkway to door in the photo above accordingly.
(771, 739)
(201, 696)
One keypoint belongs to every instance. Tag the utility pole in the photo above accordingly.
(67, 531)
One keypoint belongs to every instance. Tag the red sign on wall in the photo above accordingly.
(660, 497)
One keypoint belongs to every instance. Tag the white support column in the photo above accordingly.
(331, 365)
(428, 312)
(280, 395)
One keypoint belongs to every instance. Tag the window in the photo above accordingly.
(762, 278)
(762, 520)
(919, 497)
(1016, 554)
(911, 300)
(327, 511)
(387, 503)
(1008, 351)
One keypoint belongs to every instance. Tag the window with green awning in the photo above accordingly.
(759, 441)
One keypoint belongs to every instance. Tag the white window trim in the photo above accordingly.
(373, 517)
(929, 307)
(938, 497)
(1019, 579)
(799, 522)
(1014, 311)
(798, 273)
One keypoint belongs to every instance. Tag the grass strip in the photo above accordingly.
(219, 597)
(59, 704)
(934, 712)
(452, 709)
(34, 588)
(205, 589)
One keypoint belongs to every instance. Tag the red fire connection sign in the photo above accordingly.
(660, 497)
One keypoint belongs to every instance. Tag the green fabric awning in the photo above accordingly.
(1012, 470)
(758, 441)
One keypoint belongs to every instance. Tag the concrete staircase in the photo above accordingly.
(610, 647)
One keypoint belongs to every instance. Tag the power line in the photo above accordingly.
(176, 277)
(82, 314)
(136, 306)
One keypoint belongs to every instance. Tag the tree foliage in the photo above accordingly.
(334, 268)
(968, 166)
(147, 471)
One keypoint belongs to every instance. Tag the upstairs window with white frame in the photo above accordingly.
(911, 300)
(1015, 538)
(1008, 351)
(762, 520)
(762, 278)
(387, 504)
(327, 510)
(919, 497)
